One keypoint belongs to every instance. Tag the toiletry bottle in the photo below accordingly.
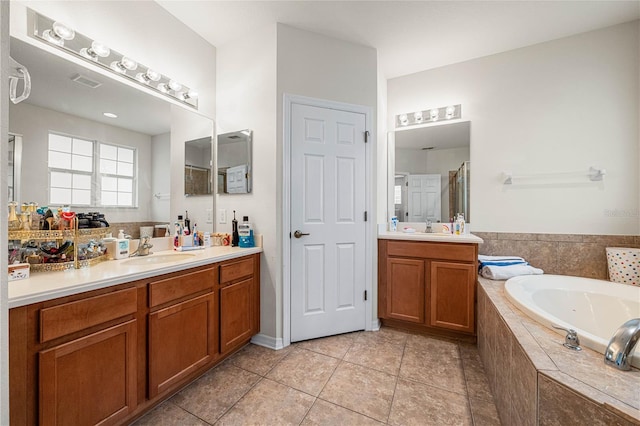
(245, 233)
(196, 240)
(451, 230)
(187, 224)
(234, 227)
(457, 224)
(176, 237)
(181, 223)
(462, 223)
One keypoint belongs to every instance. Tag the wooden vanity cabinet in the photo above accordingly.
(427, 286)
(183, 327)
(239, 310)
(107, 356)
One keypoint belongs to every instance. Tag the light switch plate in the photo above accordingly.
(209, 215)
(222, 215)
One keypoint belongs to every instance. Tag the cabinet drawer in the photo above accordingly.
(164, 291)
(427, 250)
(68, 318)
(235, 270)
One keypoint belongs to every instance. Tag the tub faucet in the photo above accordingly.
(621, 345)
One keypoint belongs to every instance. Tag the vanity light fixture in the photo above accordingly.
(430, 115)
(65, 38)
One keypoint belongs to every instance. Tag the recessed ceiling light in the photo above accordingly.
(109, 114)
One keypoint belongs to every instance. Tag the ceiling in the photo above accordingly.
(451, 135)
(410, 36)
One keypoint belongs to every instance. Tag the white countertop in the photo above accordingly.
(43, 286)
(434, 237)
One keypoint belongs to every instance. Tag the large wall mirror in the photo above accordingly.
(430, 172)
(92, 142)
(197, 166)
(234, 162)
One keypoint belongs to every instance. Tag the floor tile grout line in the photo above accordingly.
(466, 386)
(395, 386)
(348, 409)
(240, 399)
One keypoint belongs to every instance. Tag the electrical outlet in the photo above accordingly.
(209, 215)
(222, 215)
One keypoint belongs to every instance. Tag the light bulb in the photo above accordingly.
(63, 31)
(174, 85)
(148, 76)
(434, 114)
(163, 87)
(403, 119)
(97, 50)
(450, 111)
(417, 117)
(125, 64)
(191, 94)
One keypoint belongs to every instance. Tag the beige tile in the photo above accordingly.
(419, 404)
(582, 259)
(385, 333)
(269, 403)
(334, 346)
(324, 413)
(486, 235)
(168, 414)
(474, 374)
(610, 240)
(515, 236)
(434, 368)
(378, 353)
(258, 359)
(484, 412)
(213, 394)
(502, 372)
(435, 345)
(304, 370)
(569, 238)
(361, 389)
(543, 255)
(524, 387)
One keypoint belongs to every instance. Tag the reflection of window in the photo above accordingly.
(80, 178)
(116, 175)
(397, 194)
(70, 170)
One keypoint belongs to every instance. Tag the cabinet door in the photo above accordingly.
(237, 324)
(182, 338)
(90, 380)
(405, 289)
(452, 290)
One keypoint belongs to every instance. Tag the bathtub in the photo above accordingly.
(594, 308)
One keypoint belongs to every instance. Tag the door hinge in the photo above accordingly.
(366, 136)
(289, 235)
(365, 216)
(365, 295)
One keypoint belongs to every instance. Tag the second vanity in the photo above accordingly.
(103, 345)
(427, 282)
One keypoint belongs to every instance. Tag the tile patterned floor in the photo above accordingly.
(364, 378)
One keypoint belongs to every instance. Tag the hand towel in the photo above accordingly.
(505, 272)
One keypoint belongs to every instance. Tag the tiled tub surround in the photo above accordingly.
(558, 254)
(536, 380)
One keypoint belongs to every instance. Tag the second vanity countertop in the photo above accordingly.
(44, 286)
(433, 237)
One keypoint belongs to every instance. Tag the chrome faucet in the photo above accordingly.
(143, 248)
(621, 345)
(428, 229)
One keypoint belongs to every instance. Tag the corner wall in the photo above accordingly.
(559, 106)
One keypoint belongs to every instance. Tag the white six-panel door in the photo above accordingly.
(328, 204)
(424, 198)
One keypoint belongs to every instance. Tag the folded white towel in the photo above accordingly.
(505, 272)
(484, 258)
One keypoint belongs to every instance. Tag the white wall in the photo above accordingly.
(246, 81)
(34, 123)
(318, 66)
(160, 178)
(563, 105)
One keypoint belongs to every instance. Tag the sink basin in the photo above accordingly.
(155, 259)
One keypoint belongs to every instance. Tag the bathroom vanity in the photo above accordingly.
(427, 282)
(125, 336)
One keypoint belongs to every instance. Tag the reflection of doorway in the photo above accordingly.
(13, 171)
(423, 200)
(401, 184)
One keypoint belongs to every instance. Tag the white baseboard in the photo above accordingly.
(267, 341)
(375, 325)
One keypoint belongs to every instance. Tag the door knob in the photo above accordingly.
(298, 234)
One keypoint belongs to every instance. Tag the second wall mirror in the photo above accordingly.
(234, 162)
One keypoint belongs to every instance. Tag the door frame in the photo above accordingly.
(370, 227)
